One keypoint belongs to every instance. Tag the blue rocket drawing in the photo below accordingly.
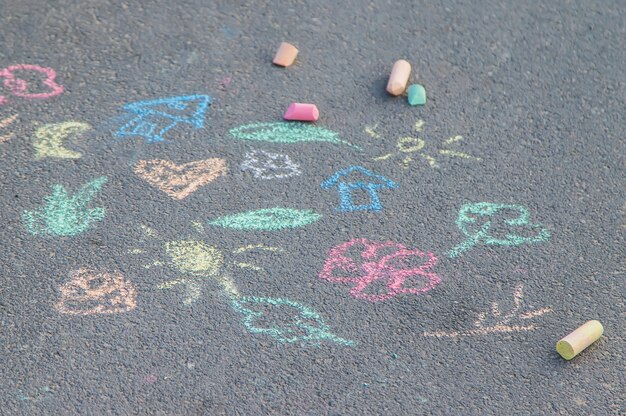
(154, 118)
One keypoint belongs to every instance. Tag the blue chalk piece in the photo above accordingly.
(417, 95)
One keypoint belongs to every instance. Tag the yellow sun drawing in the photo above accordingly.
(197, 261)
(409, 147)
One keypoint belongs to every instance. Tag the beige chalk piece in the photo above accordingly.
(286, 54)
(399, 77)
(581, 338)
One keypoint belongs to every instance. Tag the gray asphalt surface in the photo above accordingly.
(537, 93)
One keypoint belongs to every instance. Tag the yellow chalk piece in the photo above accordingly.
(581, 338)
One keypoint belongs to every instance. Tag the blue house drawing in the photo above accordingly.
(154, 118)
(347, 188)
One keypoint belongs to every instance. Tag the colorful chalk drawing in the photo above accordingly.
(266, 165)
(92, 292)
(364, 263)
(35, 395)
(497, 322)
(477, 220)
(21, 88)
(269, 219)
(49, 139)
(65, 215)
(346, 190)
(180, 181)
(198, 262)
(304, 325)
(154, 118)
(287, 133)
(5, 123)
(409, 147)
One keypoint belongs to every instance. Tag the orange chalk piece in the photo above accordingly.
(286, 54)
(399, 77)
(581, 338)
(302, 112)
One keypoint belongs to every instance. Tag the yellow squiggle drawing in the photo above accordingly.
(49, 139)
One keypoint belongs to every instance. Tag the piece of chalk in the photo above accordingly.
(302, 112)
(417, 94)
(285, 55)
(399, 77)
(580, 339)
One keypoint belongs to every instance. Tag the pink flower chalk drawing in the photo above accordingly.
(21, 88)
(497, 322)
(401, 269)
(266, 165)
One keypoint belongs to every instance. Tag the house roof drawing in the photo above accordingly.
(185, 109)
(335, 179)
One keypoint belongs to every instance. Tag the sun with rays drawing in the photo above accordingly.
(410, 148)
(197, 261)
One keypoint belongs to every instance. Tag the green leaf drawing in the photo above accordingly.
(480, 232)
(283, 132)
(269, 219)
(64, 215)
(303, 324)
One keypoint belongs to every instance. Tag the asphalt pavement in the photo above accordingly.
(170, 246)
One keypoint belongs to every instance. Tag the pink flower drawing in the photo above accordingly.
(21, 88)
(363, 263)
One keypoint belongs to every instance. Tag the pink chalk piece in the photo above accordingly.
(302, 112)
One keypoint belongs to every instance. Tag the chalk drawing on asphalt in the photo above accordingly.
(266, 165)
(198, 262)
(285, 320)
(4, 123)
(363, 181)
(409, 148)
(180, 181)
(267, 219)
(49, 139)
(93, 292)
(22, 88)
(287, 133)
(480, 221)
(494, 321)
(152, 119)
(380, 271)
(65, 214)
